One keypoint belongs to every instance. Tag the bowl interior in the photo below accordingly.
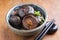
(35, 8)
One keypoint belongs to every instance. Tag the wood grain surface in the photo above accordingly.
(52, 8)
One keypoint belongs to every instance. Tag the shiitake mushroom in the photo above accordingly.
(15, 11)
(25, 9)
(29, 22)
(31, 9)
(15, 21)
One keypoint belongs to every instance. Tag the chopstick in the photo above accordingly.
(45, 30)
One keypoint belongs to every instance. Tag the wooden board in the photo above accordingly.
(52, 8)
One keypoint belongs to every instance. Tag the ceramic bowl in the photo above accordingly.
(27, 32)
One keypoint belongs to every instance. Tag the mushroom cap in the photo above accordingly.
(31, 9)
(25, 9)
(15, 21)
(29, 22)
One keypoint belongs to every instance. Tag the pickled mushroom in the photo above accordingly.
(25, 10)
(15, 21)
(29, 22)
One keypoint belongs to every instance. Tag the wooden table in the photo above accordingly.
(52, 8)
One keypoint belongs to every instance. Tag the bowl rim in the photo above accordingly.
(7, 22)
